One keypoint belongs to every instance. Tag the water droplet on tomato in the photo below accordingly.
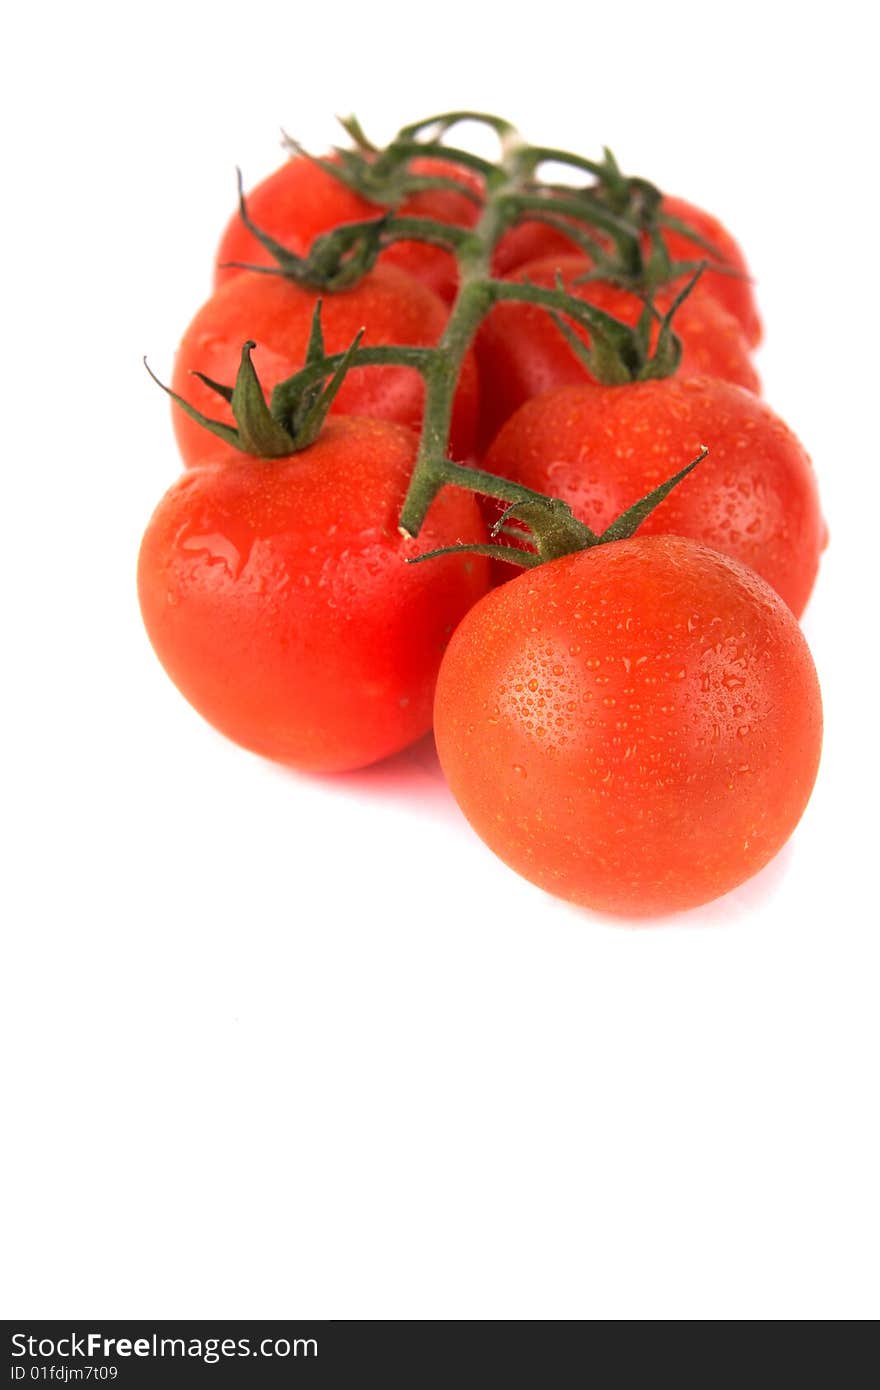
(218, 549)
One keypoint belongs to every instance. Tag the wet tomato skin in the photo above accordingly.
(734, 292)
(601, 448)
(277, 598)
(521, 352)
(634, 728)
(300, 201)
(277, 315)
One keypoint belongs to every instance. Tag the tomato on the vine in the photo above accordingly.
(301, 201)
(634, 727)
(522, 353)
(733, 291)
(601, 448)
(277, 598)
(277, 314)
(731, 286)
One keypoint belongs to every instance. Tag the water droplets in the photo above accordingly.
(217, 549)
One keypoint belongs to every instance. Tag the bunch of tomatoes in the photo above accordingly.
(469, 449)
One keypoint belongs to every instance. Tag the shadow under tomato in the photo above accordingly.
(413, 775)
(414, 768)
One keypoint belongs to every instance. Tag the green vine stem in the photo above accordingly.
(616, 347)
(622, 211)
(554, 531)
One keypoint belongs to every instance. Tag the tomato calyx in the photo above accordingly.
(384, 176)
(637, 203)
(548, 525)
(616, 221)
(336, 261)
(616, 353)
(293, 418)
(608, 219)
(339, 259)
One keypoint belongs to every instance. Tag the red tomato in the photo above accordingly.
(530, 241)
(533, 241)
(521, 352)
(277, 314)
(300, 201)
(601, 448)
(277, 598)
(734, 292)
(635, 728)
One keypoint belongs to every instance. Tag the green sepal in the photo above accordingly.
(666, 358)
(216, 386)
(642, 199)
(675, 224)
(259, 433)
(383, 177)
(657, 264)
(526, 558)
(553, 528)
(616, 358)
(629, 521)
(336, 260)
(555, 532)
(602, 360)
(355, 132)
(286, 260)
(310, 412)
(294, 417)
(256, 431)
(315, 350)
(227, 433)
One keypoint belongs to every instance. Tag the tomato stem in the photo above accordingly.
(617, 352)
(624, 212)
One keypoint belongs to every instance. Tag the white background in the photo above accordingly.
(277, 1046)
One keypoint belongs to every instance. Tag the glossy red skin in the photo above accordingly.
(277, 598)
(634, 728)
(734, 292)
(601, 448)
(277, 315)
(530, 241)
(300, 201)
(521, 352)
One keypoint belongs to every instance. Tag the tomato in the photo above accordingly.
(277, 598)
(301, 200)
(277, 314)
(530, 241)
(521, 352)
(533, 241)
(635, 727)
(734, 292)
(601, 448)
